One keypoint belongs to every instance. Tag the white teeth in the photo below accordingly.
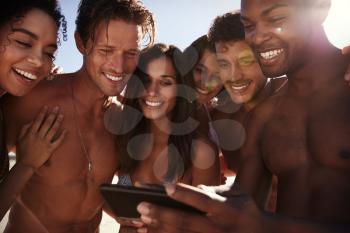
(26, 74)
(271, 54)
(114, 78)
(153, 103)
(238, 88)
(204, 92)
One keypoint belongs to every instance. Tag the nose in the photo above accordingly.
(260, 34)
(35, 60)
(237, 73)
(152, 89)
(117, 62)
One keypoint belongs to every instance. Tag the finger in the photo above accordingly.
(127, 229)
(59, 140)
(24, 130)
(169, 220)
(39, 119)
(200, 199)
(47, 124)
(54, 129)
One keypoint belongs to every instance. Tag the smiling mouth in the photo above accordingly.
(26, 75)
(153, 104)
(240, 86)
(201, 91)
(269, 55)
(114, 78)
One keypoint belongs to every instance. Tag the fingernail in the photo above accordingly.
(143, 208)
(137, 223)
(55, 109)
(170, 189)
(146, 219)
(142, 230)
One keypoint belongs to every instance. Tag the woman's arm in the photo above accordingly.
(205, 163)
(36, 143)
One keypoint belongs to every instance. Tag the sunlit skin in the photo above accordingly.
(63, 196)
(111, 58)
(320, 170)
(277, 34)
(239, 71)
(206, 76)
(301, 135)
(157, 103)
(28, 47)
(159, 96)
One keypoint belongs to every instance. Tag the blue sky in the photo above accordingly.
(180, 22)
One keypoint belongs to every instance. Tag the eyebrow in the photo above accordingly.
(31, 34)
(200, 65)
(167, 76)
(273, 7)
(267, 11)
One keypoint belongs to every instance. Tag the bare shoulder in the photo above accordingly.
(263, 112)
(21, 110)
(45, 93)
(204, 152)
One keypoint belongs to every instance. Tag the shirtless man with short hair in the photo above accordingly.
(301, 135)
(63, 196)
(243, 80)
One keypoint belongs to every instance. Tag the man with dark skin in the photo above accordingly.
(63, 196)
(300, 135)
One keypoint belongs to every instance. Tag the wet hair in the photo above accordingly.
(180, 113)
(92, 12)
(14, 10)
(227, 27)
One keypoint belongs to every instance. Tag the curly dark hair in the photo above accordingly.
(93, 12)
(13, 10)
(226, 27)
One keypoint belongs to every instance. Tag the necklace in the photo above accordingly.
(281, 86)
(81, 139)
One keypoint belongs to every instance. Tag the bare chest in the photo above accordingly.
(306, 132)
(88, 153)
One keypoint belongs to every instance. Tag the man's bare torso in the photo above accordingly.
(305, 142)
(63, 195)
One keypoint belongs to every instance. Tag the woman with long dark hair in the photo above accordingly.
(162, 143)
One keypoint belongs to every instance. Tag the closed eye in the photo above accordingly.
(23, 44)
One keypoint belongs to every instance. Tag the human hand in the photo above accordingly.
(235, 213)
(129, 226)
(37, 140)
(54, 71)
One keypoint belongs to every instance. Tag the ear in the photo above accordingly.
(79, 43)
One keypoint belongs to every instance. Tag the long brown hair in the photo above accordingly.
(137, 123)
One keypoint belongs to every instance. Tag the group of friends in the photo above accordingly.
(259, 93)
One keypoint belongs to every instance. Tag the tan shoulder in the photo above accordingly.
(204, 153)
(48, 93)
